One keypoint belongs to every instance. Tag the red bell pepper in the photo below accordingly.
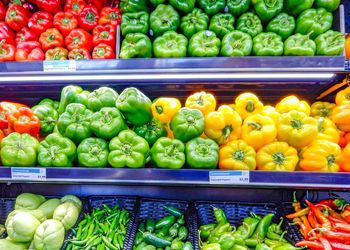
(52, 6)
(7, 52)
(110, 15)
(29, 46)
(74, 6)
(25, 35)
(57, 53)
(65, 22)
(51, 38)
(5, 109)
(40, 22)
(23, 120)
(103, 51)
(336, 204)
(16, 17)
(99, 4)
(104, 34)
(79, 54)
(2, 11)
(35, 54)
(79, 38)
(6, 33)
(88, 18)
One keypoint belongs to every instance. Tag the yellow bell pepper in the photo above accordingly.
(247, 104)
(341, 117)
(321, 156)
(237, 155)
(205, 102)
(343, 96)
(277, 156)
(327, 130)
(223, 125)
(271, 112)
(164, 108)
(297, 129)
(322, 109)
(258, 130)
(292, 102)
(345, 160)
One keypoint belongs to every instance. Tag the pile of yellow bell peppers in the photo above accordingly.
(290, 136)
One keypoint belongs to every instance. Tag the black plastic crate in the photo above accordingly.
(154, 209)
(236, 212)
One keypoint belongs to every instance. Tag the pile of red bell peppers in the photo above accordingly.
(35, 30)
(324, 225)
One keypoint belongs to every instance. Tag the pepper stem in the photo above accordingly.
(159, 109)
(250, 107)
(255, 125)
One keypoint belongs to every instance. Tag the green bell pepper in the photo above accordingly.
(56, 151)
(317, 21)
(128, 150)
(187, 124)
(93, 152)
(157, 2)
(102, 97)
(238, 7)
(72, 94)
(170, 44)
(194, 22)
(168, 153)
(74, 123)
(164, 18)
(135, 106)
(133, 6)
(267, 44)
(299, 45)
(236, 43)
(50, 102)
(136, 45)
(267, 9)
(107, 123)
(222, 24)
(204, 44)
(330, 43)
(48, 116)
(295, 7)
(212, 7)
(202, 153)
(249, 23)
(283, 25)
(184, 6)
(151, 131)
(134, 23)
(19, 150)
(329, 5)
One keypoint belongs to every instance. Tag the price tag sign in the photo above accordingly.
(28, 174)
(60, 66)
(229, 177)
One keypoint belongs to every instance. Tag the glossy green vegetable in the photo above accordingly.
(267, 44)
(329, 5)
(212, 7)
(135, 23)
(72, 94)
(249, 23)
(330, 43)
(184, 6)
(29, 201)
(151, 131)
(22, 226)
(222, 24)
(295, 7)
(194, 22)
(136, 45)
(170, 45)
(266, 10)
(299, 45)
(164, 18)
(202, 153)
(168, 153)
(238, 7)
(283, 25)
(49, 235)
(133, 6)
(48, 116)
(236, 43)
(49, 206)
(67, 213)
(102, 97)
(93, 152)
(204, 44)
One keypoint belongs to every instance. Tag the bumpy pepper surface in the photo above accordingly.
(194, 22)
(72, 94)
(102, 97)
(48, 116)
(267, 10)
(299, 45)
(222, 24)
(236, 43)
(330, 43)
(322, 109)
(184, 6)
(202, 153)
(136, 45)
(168, 153)
(204, 44)
(151, 131)
(267, 44)
(292, 102)
(327, 130)
(212, 7)
(283, 25)
(135, 23)
(170, 44)
(132, 6)
(238, 7)
(249, 23)
(164, 108)
(295, 7)
(205, 102)
(248, 104)
(93, 152)
(329, 5)
(164, 18)
(135, 106)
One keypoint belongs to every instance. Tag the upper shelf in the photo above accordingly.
(187, 177)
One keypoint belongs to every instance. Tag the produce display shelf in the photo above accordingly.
(150, 176)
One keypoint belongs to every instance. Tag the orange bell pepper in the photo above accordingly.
(322, 109)
(2, 135)
(5, 109)
(292, 102)
(205, 102)
(345, 160)
(341, 117)
(327, 130)
(343, 96)
(321, 156)
(247, 104)
(344, 139)
(23, 120)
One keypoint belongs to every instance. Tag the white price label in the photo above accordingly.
(59, 66)
(229, 177)
(29, 174)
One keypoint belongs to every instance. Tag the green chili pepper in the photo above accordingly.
(260, 231)
(177, 245)
(174, 230)
(173, 211)
(138, 238)
(239, 247)
(248, 227)
(204, 231)
(220, 216)
(188, 246)
(167, 221)
(212, 246)
(221, 228)
(181, 220)
(150, 225)
(155, 240)
(183, 233)
(262, 246)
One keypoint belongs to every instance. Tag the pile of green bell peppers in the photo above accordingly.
(206, 28)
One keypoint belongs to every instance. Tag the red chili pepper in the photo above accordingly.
(346, 213)
(336, 204)
(79, 38)
(23, 120)
(312, 219)
(51, 38)
(88, 18)
(2, 11)
(6, 33)
(35, 54)
(111, 16)
(7, 52)
(52, 6)
(40, 22)
(25, 35)
(319, 215)
(99, 4)
(339, 246)
(16, 17)
(104, 34)
(302, 228)
(337, 236)
(310, 244)
(325, 243)
(65, 22)
(74, 6)
(79, 54)
(336, 220)
(341, 227)
(103, 51)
